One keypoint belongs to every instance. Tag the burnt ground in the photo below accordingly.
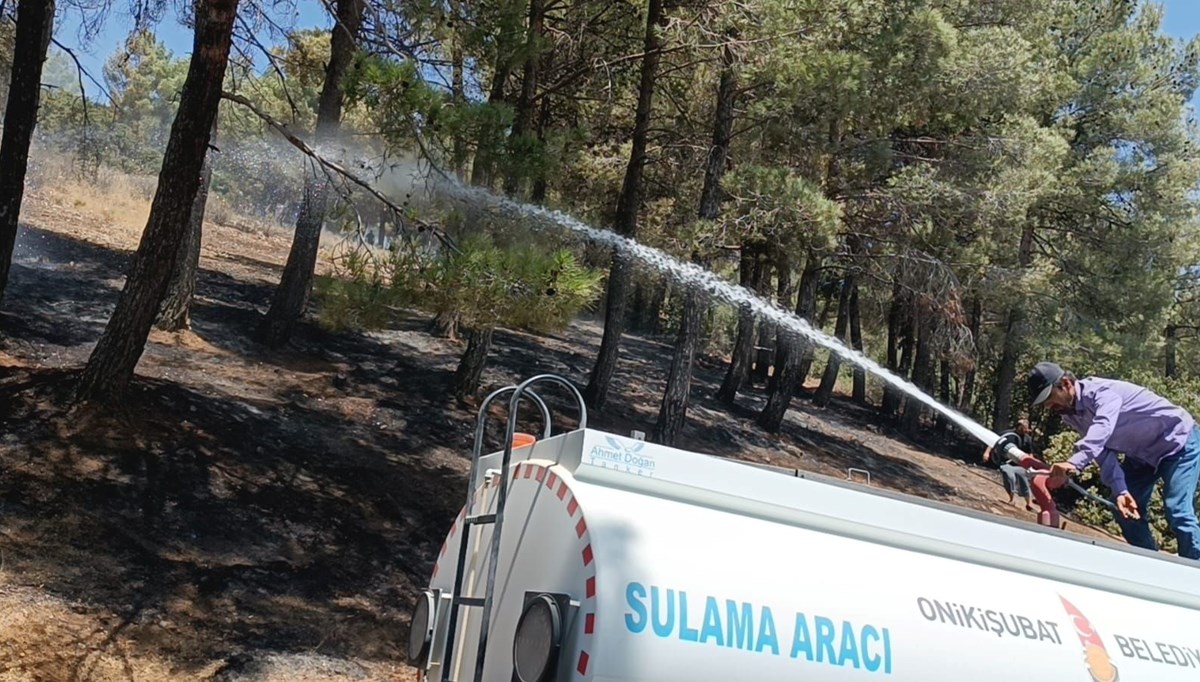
(268, 515)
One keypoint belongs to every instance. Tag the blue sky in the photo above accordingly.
(1181, 19)
(178, 38)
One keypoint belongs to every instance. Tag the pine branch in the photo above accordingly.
(84, 72)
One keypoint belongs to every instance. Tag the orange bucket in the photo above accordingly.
(520, 440)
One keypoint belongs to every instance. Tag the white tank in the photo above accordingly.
(664, 565)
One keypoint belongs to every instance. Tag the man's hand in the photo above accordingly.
(987, 455)
(1128, 506)
(1059, 473)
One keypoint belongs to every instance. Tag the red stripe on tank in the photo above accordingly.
(583, 663)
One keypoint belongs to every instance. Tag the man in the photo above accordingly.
(1160, 441)
(1015, 477)
(1039, 487)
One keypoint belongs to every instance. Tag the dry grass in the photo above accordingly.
(123, 199)
(121, 202)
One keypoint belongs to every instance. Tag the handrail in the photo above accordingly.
(480, 421)
(502, 498)
(476, 453)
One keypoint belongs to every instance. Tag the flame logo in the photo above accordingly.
(1099, 665)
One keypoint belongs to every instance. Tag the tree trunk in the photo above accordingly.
(291, 296)
(966, 398)
(523, 115)
(908, 342)
(1006, 371)
(823, 316)
(538, 194)
(913, 408)
(1014, 334)
(626, 219)
(751, 272)
(1172, 338)
(797, 359)
(833, 366)
(646, 305)
(769, 332)
(485, 156)
(762, 358)
(856, 341)
(673, 414)
(888, 405)
(743, 343)
(176, 313)
(659, 297)
(782, 344)
(806, 307)
(444, 325)
(112, 362)
(943, 394)
(470, 366)
(899, 350)
(891, 396)
(458, 92)
(35, 25)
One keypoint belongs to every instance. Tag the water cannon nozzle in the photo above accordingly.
(1006, 445)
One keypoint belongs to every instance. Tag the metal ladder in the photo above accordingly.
(470, 519)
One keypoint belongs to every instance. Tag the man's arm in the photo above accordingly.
(1111, 472)
(1089, 448)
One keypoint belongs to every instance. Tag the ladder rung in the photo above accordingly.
(481, 519)
(469, 601)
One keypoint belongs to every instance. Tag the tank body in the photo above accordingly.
(678, 566)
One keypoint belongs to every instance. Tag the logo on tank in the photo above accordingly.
(1095, 655)
(626, 456)
(1099, 660)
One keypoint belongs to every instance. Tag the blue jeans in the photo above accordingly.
(1016, 481)
(1180, 474)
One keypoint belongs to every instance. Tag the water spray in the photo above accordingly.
(694, 275)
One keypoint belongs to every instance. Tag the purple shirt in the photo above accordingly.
(1117, 416)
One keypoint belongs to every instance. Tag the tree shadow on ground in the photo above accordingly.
(59, 290)
(213, 526)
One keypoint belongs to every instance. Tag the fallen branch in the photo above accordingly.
(308, 151)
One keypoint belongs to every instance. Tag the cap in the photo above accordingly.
(1041, 379)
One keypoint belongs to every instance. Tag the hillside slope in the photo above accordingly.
(248, 514)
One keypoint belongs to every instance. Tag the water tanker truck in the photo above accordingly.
(592, 556)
